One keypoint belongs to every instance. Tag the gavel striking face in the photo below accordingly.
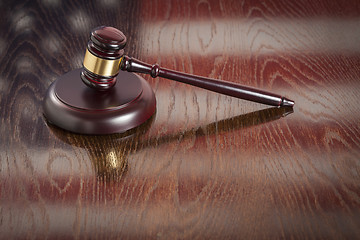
(131, 101)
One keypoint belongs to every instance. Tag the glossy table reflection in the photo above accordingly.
(206, 166)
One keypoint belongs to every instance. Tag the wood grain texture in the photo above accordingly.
(205, 166)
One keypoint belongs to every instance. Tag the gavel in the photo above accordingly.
(112, 101)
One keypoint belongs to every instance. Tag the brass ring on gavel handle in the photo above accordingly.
(100, 66)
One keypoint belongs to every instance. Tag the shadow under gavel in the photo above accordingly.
(109, 153)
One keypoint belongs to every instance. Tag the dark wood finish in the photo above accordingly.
(73, 106)
(216, 85)
(106, 43)
(206, 165)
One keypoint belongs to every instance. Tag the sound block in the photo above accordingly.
(73, 106)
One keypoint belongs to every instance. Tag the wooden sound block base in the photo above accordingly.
(73, 106)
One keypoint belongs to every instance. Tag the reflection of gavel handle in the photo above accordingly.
(228, 88)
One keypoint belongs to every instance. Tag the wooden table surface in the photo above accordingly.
(206, 166)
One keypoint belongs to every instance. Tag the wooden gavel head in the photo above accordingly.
(103, 57)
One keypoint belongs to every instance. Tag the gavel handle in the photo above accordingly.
(228, 88)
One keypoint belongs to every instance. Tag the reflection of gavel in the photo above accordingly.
(114, 107)
(111, 158)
